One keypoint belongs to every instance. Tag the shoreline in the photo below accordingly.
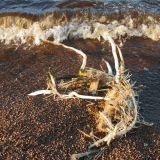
(43, 128)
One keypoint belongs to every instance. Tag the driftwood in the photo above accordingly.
(119, 110)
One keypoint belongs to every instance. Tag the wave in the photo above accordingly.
(21, 28)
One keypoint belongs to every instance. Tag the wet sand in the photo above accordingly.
(43, 128)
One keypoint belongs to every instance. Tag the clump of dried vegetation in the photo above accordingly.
(117, 112)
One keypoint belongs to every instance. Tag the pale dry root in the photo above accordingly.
(118, 111)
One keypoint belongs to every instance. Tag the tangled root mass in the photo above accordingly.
(118, 111)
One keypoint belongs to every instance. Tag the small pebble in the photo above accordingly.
(145, 144)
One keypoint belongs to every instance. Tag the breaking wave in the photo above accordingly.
(20, 28)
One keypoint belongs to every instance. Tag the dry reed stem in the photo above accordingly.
(84, 60)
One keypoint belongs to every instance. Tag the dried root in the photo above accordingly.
(118, 111)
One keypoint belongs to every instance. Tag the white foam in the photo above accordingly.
(75, 30)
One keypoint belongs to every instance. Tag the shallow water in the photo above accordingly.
(39, 6)
(149, 97)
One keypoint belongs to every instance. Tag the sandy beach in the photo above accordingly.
(45, 128)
